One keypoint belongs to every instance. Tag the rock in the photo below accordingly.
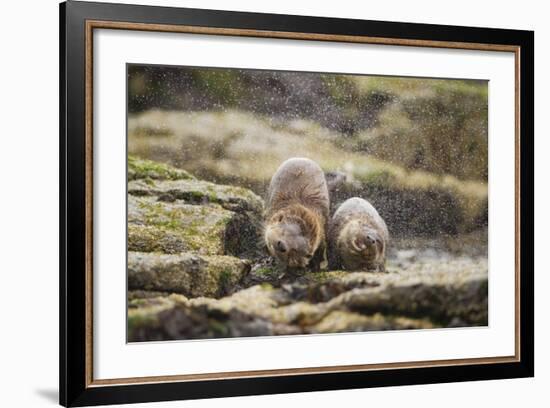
(440, 297)
(147, 169)
(198, 192)
(196, 267)
(410, 121)
(423, 124)
(245, 149)
(338, 321)
(188, 274)
(143, 315)
(173, 318)
(250, 312)
(173, 215)
(265, 302)
(145, 294)
(337, 302)
(156, 226)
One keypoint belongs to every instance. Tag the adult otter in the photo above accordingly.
(357, 237)
(297, 214)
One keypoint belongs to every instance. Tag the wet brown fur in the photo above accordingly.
(303, 203)
(311, 222)
(339, 254)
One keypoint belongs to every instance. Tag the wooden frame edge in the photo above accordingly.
(289, 35)
(90, 25)
(89, 206)
(517, 196)
(231, 375)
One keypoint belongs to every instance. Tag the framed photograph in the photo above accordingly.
(256, 203)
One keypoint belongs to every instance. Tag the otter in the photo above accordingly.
(297, 211)
(357, 237)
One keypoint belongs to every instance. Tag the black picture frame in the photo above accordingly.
(75, 388)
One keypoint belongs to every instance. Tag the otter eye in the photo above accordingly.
(309, 256)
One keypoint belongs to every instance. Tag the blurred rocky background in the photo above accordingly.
(203, 145)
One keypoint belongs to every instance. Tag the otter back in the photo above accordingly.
(299, 181)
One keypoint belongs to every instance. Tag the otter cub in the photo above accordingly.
(357, 237)
(297, 214)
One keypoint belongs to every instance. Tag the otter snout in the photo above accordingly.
(286, 242)
(365, 240)
(281, 247)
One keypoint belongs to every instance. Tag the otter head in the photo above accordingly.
(361, 242)
(292, 236)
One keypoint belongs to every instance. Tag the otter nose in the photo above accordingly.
(281, 247)
(371, 239)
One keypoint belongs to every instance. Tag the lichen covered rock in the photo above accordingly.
(189, 274)
(196, 268)
(338, 302)
(198, 192)
(148, 169)
(156, 226)
(170, 211)
(339, 321)
(172, 318)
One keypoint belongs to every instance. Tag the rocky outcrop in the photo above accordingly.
(319, 303)
(197, 192)
(244, 149)
(172, 212)
(186, 235)
(141, 169)
(196, 269)
(186, 273)
(409, 121)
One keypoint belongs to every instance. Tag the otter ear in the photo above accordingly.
(280, 218)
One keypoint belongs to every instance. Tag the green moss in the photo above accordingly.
(468, 88)
(267, 272)
(223, 85)
(414, 87)
(138, 302)
(149, 170)
(138, 319)
(195, 195)
(146, 238)
(219, 329)
(379, 177)
(341, 88)
(152, 131)
(321, 277)
(196, 228)
(226, 279)
(144, 313)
